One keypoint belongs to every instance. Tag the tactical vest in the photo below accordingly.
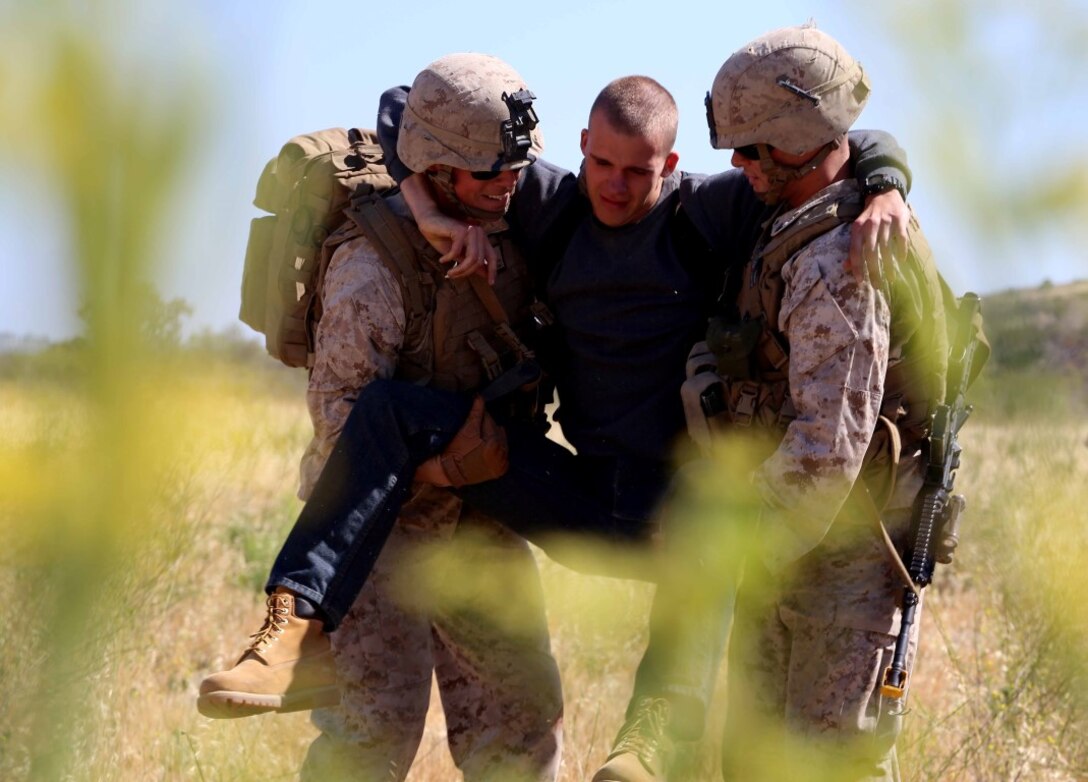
(453, 339)
(753, 354)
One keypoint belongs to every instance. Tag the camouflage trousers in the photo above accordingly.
(804, 684)
(459, 599)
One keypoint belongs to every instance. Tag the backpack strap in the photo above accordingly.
(374, 219)
(487, 296)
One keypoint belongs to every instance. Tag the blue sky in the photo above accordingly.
(1002, 85)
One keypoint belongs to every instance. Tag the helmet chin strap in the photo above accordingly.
(442, 179)
(779, 174)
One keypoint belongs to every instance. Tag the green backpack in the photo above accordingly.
(306, 189)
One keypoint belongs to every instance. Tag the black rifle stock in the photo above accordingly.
(935, 518)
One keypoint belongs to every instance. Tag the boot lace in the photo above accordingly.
(278, 611)
(643, 735)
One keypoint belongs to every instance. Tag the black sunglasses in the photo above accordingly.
(749, 151)
(485, 176)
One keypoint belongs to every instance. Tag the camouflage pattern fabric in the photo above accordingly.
(824, 92)
(357, 340)
(454, 116)
(815, 678)
(499, 683)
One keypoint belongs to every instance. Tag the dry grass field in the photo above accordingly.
(137, 537)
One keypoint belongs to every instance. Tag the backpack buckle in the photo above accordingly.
(488, 357)
(745, 409)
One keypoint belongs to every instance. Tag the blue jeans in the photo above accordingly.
(546, 492)
(395, 426)
(337, 538)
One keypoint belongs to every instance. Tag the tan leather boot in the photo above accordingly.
(287, 667)
(643, 750)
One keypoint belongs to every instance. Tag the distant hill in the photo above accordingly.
(21, 343)
(1030, 329)
(1044, 328)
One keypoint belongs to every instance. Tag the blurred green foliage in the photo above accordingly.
(112, 151)
(990, 76)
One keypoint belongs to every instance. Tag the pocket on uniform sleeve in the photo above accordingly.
(816, 326)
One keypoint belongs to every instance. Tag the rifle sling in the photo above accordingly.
(487, 296)
(893, 553)
(860, 500)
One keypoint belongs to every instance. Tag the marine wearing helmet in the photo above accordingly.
(471, 112)
(796, 90)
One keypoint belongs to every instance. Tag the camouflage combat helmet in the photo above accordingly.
(795, 89)
(469, 111)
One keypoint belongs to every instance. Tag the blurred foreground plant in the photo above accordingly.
(77, 508)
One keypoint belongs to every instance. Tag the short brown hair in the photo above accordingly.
(639, 106)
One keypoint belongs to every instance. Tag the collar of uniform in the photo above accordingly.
(821, 202)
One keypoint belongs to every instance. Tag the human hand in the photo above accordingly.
(464, 247)
(878, 238)
(470, 251)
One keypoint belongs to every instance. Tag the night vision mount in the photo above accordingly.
(515, 132)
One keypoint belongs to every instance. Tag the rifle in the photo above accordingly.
(936, 513)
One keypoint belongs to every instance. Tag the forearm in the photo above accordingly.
(417, 194)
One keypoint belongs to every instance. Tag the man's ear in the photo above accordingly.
(671, 160)
(585, 138)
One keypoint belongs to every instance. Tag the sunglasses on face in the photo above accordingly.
(484, 176)
(749, 151)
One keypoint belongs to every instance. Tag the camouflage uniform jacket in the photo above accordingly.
(842, 336)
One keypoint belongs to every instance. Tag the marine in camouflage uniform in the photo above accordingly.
(812, 364)
(499, 683)
(390, 309)
(812, 641)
